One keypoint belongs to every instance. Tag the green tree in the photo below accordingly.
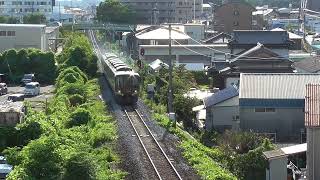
(40, 160)
(34, 18)
(3, 19)
(13, 20)
(115, 12)
(79, 117)
(80, 166)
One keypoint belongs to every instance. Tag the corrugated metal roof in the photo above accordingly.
(275, 85)
(220, 96)
(312, 105)
(295, 149)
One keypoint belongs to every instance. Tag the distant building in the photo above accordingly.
(235, 15)
(207, 11)
(222, 110)
(52, 33)
(258, 59)
(262, 17)
(18, 36)
(23, 7)
(278, 41)
(274, 103)
(162, 11)
(314, 5)
(296, 39)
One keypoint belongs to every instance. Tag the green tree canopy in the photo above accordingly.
(115, 12)
(34, 19)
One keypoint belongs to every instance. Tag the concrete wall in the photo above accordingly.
(195, 31)
(183, 55)
(233, 16)
(223, 115)
(277, 169)
(313, 155)
(25, 37)
(284, 121)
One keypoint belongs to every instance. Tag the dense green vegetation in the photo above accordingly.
(232, 155)
(73, 139)
(78, 52)
(17, 63)
(34, 18)
(9, 20)
(113, 11)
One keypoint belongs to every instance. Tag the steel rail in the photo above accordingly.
(154, 140)
(144, 148)
(165, 155)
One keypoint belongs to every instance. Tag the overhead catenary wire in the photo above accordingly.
(227, 53)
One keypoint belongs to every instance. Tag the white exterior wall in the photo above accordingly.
(194, 59)
(20, 8)
(195, 31)
(223, 115)
(277, 169)
(26, 36)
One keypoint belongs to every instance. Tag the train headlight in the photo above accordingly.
(119, 92)
(135, 91)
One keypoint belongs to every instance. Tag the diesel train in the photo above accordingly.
(122, 79)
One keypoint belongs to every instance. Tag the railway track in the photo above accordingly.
(156, 156)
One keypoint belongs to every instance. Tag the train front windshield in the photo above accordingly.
(128, 84)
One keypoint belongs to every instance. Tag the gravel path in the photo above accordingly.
(134, 161)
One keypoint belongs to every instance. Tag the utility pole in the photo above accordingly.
(170, 95)
(59, 14)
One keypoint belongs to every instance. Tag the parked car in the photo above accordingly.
(27, 78)
(2, 78)
(16, 97)
(3, 88)
(5, 168)
(32, 89)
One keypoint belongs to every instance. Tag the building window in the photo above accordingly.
(264, 110)
(3, 33)
(236, 23)
(180, 3)
(11, 33)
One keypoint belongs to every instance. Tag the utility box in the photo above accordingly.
(172, 116)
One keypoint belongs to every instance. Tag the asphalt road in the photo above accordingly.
(45, 92)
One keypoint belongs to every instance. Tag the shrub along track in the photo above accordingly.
(134, 159)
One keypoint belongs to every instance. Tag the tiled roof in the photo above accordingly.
(221, 96)
(255, 50)
(310, 65)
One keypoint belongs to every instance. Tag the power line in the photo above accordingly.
(234, 55)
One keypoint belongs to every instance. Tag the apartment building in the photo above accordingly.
(165, 11)
(20, 8)
(314, 5)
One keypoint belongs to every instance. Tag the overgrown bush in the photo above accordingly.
(79, 117)
(25, 61)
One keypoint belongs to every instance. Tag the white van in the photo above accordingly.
(32, 89)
